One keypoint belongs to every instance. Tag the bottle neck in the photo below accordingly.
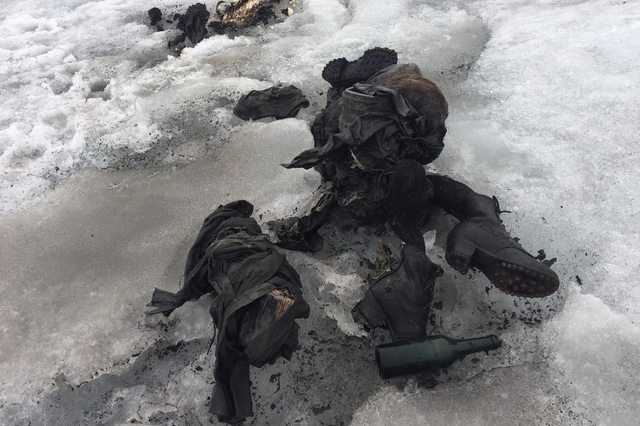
(469, 346)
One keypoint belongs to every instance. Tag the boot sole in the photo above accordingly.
(342, 73)
(508, 276)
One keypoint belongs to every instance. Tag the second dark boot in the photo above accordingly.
(342, 73)
(401, 299)
(480, 241)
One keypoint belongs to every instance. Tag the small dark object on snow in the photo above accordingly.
(257, 297)
(194, 22)
(155, 15)
(277, 101)
(342, 73)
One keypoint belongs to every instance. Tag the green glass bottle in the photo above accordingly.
(430, 354)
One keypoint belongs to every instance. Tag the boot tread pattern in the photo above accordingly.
(513, 279)
(342, 73)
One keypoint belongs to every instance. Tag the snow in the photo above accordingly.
(113, 150)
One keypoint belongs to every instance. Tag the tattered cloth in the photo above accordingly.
(194, 22)
(257, 296)
(277, 101)
(367, 149)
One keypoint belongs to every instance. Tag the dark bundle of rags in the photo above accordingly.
(257, 295)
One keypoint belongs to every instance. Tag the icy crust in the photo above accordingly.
(75, 92)
(526, 394)
(85, 260)
(555, 135)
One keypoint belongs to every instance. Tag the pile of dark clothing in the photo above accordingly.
(382, 123)
(373, 138)
(257, 296)
(229, 17)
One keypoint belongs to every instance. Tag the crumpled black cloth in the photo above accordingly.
(194, 22)
(364, 152)
(378, 140)
(324, 125)
(277, 101)
(407, 201)
(257, 297)
(155, 15)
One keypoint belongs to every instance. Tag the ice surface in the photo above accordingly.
(113, 150)
(71, 257)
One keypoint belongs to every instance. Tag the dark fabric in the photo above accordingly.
(366, 130)
(293, 236)
(254, 278)
(341, 73)
(257, 297)
(277, 101)
(450, 195)
(407, 201)
(326, 122)
(401, 299)
(217, 225)
(420, 92)
(377, 140)
(355, 103)
(324, 125)
(365, 151)
(194, 22)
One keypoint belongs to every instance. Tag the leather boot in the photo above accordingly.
(402, 298)
(480, 241)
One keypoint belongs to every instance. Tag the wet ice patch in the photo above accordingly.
(481, 146)
(254, 156)
(554, 111)
(104, 230)
(596, 350)
(588, 355)
(339, 293)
